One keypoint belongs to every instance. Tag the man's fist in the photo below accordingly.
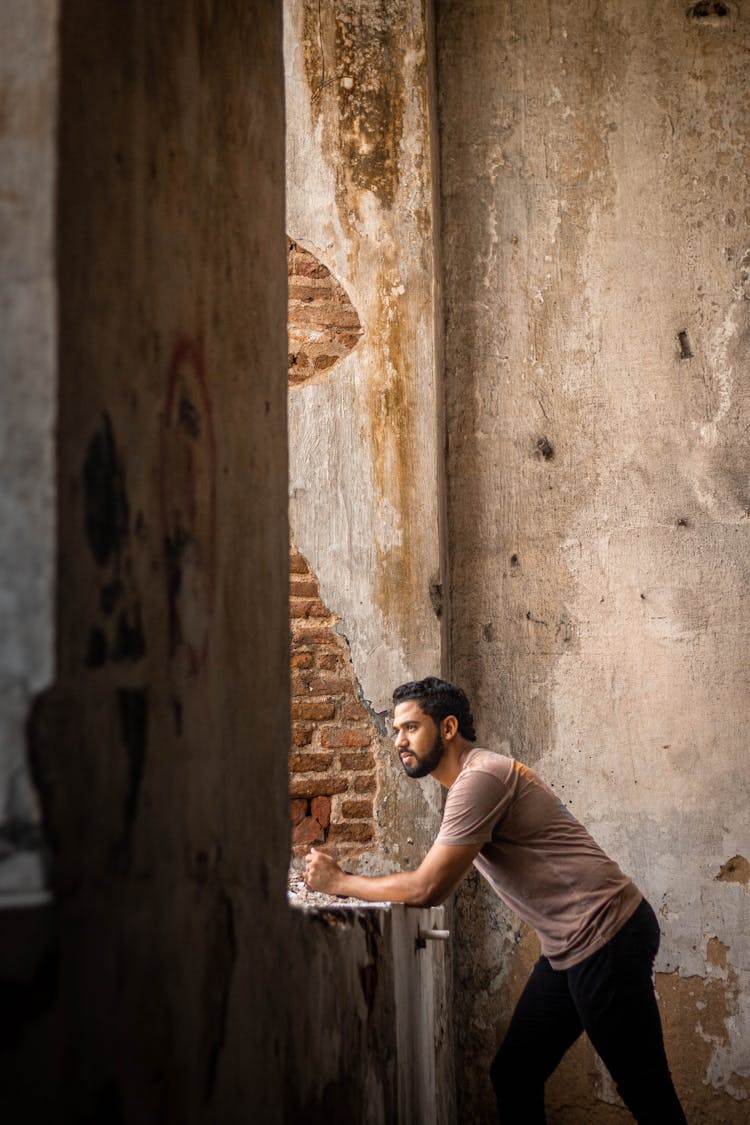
(322, 873)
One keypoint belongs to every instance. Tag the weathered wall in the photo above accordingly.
(172, 983)
(596, 206)
(364, 446)
(28, 73)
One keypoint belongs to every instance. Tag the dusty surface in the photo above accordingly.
(596, 209)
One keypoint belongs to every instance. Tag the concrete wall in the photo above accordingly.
(28, 72)
(364, 444)
(596, 212)
(170, 981)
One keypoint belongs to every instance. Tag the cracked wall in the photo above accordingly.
(365, 452)
(596, 211)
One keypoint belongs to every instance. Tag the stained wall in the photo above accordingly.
(596, 209)
(366, 466)
(170, 980)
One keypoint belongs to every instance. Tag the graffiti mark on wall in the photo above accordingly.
(188, 505)
(118, 635)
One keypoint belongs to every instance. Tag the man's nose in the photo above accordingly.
(400, 740)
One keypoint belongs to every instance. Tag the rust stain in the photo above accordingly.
(354, 60)
(392, 414)
(370, 44)
(735, 870)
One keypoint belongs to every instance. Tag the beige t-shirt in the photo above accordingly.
(537, 857)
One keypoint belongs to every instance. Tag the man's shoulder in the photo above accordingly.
(481, 760)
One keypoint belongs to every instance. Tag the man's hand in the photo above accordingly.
(322, 873)
(437, 876)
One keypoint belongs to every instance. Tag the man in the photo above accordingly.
(599, 936)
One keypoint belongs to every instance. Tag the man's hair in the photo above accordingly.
(438, 699)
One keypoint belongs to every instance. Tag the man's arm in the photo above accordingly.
(437, 876)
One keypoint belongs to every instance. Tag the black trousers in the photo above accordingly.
(611, 997)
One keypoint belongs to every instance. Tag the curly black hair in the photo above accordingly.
(437, 698)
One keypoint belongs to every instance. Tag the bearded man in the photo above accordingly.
(599, 936)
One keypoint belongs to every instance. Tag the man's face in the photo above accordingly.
(417, 739)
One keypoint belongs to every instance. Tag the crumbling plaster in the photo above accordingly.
(596, 208)
(365, 452)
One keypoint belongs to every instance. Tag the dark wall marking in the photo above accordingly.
(188, 505)
(686, 352)
(107, 516)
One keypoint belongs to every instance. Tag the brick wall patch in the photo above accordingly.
(323, 323)
(332, 767)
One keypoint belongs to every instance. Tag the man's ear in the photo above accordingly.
(449, 726)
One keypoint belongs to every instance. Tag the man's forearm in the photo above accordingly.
(405, 886)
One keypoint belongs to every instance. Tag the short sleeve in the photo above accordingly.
(475, 804)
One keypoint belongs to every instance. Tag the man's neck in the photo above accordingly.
(450, 763)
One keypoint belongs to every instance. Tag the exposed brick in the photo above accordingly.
(310, 763)
(335, 737)
(363, 783)
(327, 685)
(306, 634)
(301, 734)
(315, 709)
(308, 831)
(327, 661)
(307, 607)
(297, 810)
(302, 659)
(325, 314)
(350, 710)
(297, 563)
(360, 831)
(320, 808)
(303, 586)
(316, 785)
(304, 265)
(356, 810)
(363, 760)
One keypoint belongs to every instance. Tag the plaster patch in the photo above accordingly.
(735, 870)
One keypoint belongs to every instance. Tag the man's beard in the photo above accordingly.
(423, 766)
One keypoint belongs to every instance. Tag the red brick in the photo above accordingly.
(306, 634)
(303, 586)
(316, 785)
(320, 808)
(327, 661)
(301, 608)
(349, 710)
(302, 659)
(297, 564)
(297, 810)
(326, 685)
(310, 762)
(305, 265)
(364, 760)
(301, 734)
(314, 709)
(359, 831)
(335, 737)
(325, 314)
(363, 783)
(308, 831)
(356, 810)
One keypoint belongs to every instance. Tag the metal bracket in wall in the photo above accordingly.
(425, 935)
